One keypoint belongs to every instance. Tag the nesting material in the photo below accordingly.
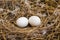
(35, 21)
(47, 10)
(22, 22)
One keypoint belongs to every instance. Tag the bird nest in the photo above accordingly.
(47, 10)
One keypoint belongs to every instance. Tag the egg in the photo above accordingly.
(34, 21)
(22, 22)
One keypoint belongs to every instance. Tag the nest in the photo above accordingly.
(47, 10)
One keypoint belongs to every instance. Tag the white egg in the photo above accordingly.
(22, 22)
(34, 21)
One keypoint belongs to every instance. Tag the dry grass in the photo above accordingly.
(47, 10)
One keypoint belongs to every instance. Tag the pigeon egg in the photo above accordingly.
(34, 21)
(22, 22)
